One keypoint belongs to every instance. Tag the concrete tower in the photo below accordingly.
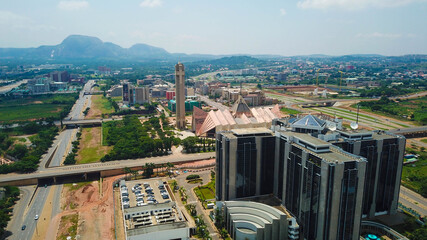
(180, 95)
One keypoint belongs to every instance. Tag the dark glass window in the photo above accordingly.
(246, 167)
(267, 164)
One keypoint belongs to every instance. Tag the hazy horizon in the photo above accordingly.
(300, 27)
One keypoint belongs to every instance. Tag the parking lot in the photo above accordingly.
(143, 192)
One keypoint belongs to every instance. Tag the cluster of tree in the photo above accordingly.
(71, 157)
(149, 169)
(386, 105)
(86, 111)
(114, 104)
(192, 176)
(6, 204)
(413, 230)
(28, 158)
(132, 140)
(386, 91)
(196, 144)
(220, 223)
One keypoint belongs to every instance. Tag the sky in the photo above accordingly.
(283, 27)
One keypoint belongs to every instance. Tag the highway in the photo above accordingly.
(96, 167)
(413, 200)
(59, 149)
(212, 103)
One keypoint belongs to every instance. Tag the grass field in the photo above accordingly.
(414, 176)
(34, 107)
(289, 111)
(100, 105)
(91, 149)
(206, 191)
(424, 140)
(412, 108)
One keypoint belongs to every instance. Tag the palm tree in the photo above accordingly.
(127, 170)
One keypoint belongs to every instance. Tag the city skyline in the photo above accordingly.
(332, 27)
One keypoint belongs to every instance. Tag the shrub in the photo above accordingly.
(192, 176)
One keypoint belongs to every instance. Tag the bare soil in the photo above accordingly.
(96, 214)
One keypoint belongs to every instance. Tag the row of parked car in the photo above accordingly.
(125, 196)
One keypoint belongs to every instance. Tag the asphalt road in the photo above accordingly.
(61, 146)
(213, 103)
(413, 200)
(27, 216)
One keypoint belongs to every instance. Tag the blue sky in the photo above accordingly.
(292, 27)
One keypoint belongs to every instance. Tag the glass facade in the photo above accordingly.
(267, 164)
(348, 201)
(310, 196)
(246, 167)
(387, 175)
(369, 150)
(219, 165)
(293, 180)
(281, 166)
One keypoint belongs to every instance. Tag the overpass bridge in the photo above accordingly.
(93, 93)
(411, 132)
(93, 170)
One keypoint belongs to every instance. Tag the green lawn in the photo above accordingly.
(424, 140)
(102, 104)
(289, 111)
(34, 107)
(91, 149)
(206, 191)
(414, 176)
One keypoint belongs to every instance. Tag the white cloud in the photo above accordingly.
(282, 11)
(7, 18)
(151, 3)
(73, 5)
(353, 4)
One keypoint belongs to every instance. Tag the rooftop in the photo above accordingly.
(334, 154)
(156, 228)
(251, 131)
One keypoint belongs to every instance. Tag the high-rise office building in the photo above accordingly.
(320, 184)
(384, 153)
(245, 163)
(180, 95)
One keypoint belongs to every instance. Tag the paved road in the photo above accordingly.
(9, 87)
(192, 199)
(59, 149)
(18, 216)
(413, 200)
(93, 167)
(212, 103)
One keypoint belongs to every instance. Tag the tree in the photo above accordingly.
(169, 166)
(127, 171)
(149, 170)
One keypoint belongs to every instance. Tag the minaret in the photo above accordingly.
(180, 95)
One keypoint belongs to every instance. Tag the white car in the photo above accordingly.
(36, 217)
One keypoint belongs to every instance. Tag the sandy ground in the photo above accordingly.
(43, 222)
(94, 112)
(120, 234)
(96, 215)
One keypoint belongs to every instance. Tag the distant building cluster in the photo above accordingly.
(327, 178)
(135, 95)
(53, 82)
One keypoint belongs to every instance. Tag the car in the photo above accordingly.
(165, 196)
(23, 227)
(45, 186)
(36, 217)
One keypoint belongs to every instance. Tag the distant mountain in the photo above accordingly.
(85, 47)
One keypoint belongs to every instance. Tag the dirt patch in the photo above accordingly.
(95, 211)
(68, 226)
